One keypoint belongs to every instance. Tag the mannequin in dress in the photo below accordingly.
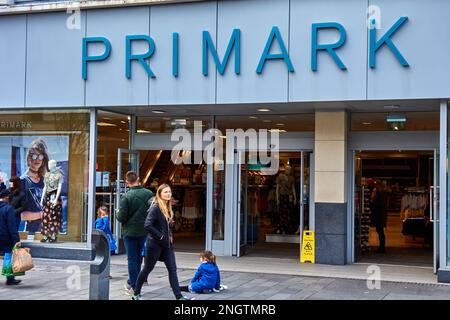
(51, 202)
(286, 200)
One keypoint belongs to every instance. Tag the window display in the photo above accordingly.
(49, 155)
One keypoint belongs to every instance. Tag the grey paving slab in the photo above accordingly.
(50, 279)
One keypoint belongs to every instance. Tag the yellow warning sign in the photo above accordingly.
(307, 247)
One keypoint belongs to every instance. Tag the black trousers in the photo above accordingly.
(154, 253)
(381, 237)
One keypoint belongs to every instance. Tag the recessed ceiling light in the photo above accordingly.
(366, 123)
(267, 121)
(106, 124)
(166, 118)
(129, 118)
(123, 122)
(280, 124)
(264, 110)
(143, 131)
(253, 117)
(158, 111)
(277, 130)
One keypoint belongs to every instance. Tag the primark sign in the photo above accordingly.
(274, 43)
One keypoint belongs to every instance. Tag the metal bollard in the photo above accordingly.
(100, 267)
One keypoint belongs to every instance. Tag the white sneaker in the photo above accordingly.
(128, 289)
(223, 287)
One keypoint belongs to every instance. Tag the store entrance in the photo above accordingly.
(274, 208)
(188, 182)
(395, 204)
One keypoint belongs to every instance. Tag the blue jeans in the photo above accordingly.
(133, 247)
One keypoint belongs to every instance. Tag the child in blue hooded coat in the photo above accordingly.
(102, 223)
(207, 277)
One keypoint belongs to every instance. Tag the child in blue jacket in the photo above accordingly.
(207, 277)
(102, 223)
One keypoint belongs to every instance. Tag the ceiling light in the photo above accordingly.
(179, 122)
(277, 130)
(143, 131)
(166, 118)
(253, 117)
(267, 121)
(280, 124)
(129, 118)
(366, 123)
(264, 110)
(158, 111)
(123, 122)
(106, 124)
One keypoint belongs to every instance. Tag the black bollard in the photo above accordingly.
(100, 267)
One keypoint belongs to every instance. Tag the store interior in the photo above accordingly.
(404, 178)
(272, 227)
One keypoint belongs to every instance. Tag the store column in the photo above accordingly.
(330, 187)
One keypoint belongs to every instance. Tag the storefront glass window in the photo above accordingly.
(395, 121)
(167, 124)
(29, 141)
(113, 131)
(281, 123)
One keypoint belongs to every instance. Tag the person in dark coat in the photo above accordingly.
(160, 242)
(379, 214)
(9, 236)
(17, 198)
(132, 214)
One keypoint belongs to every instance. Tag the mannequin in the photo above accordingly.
(51, 202)
(286, 200)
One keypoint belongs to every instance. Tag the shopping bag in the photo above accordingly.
(21, 260)
(7, 269)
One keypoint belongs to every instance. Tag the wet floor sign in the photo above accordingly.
(307, 247)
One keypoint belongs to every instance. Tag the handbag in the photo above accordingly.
(21, 260)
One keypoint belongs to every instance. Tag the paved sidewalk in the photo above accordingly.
(59, 280)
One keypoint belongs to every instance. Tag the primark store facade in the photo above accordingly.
(356, 90)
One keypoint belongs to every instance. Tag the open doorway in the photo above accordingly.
(188, 183)
(275, 208)
(393, 199)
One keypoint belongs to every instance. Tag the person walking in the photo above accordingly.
(160, 242)
(131, 214)
(9, 236)
(17, 198)
(379, 214)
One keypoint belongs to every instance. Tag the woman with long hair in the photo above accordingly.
(160, 242)
(33, 183)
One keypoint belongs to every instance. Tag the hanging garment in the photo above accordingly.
(52, 217)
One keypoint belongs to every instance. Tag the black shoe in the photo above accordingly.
(13, 282)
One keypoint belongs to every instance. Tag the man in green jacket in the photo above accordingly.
(132, 213)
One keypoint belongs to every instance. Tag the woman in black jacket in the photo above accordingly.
(17, 198)
(160, 242)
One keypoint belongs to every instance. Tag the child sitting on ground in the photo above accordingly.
(207, 277)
